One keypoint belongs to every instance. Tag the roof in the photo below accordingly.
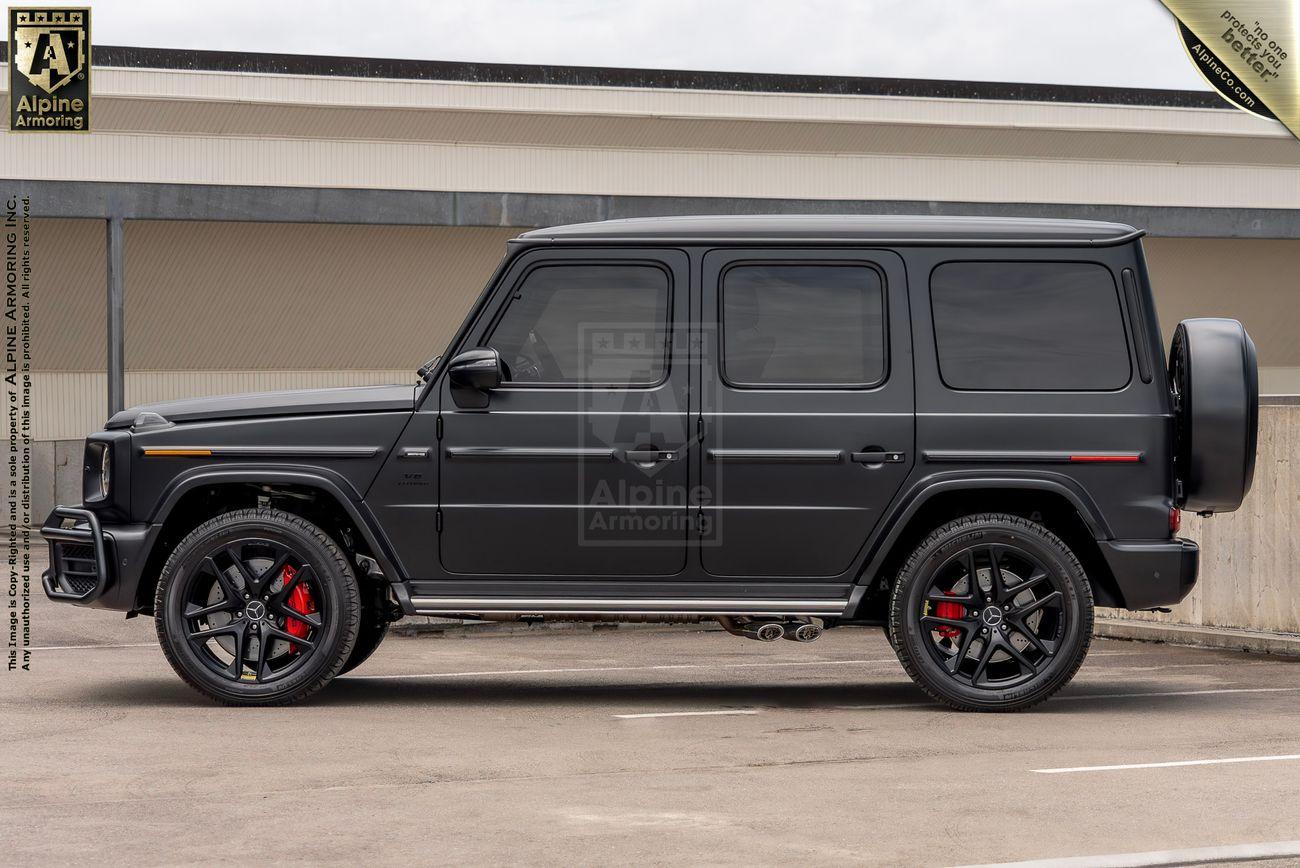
(842, 228)
(123, 56)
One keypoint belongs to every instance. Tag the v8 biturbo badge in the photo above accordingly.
(49, 70)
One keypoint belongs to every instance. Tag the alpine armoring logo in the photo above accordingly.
(49, 72)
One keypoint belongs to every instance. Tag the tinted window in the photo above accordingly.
(598, 324)
(1044, 326)
(803, 325)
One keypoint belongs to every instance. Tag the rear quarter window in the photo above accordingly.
(1029, 326)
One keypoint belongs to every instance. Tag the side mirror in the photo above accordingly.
(474, 373)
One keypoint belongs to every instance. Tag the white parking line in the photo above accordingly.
(1287, 757)
(686, 713)
(1189, 856)
(654, 668)
(1083, 696)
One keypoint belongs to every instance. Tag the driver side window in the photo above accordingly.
(597, 324)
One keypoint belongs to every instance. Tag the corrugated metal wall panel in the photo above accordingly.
(436, 166)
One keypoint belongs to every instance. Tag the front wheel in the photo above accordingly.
(257, 607)
(991, 613)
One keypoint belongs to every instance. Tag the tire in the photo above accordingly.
(1007, 655)
(1214, 377)
(257, 607)
(374, 627)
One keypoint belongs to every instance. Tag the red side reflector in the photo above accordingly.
(1175, 520)
(1105, 459)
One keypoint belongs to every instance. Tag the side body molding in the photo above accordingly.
(332, 483)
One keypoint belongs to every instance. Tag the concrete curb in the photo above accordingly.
(1226, 638)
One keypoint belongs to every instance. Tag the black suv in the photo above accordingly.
(960, 429)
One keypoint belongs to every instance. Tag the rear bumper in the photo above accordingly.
(1152, 573)
(93, 564)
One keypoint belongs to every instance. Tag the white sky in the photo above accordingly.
(1129, 43)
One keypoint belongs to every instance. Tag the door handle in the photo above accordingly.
(649, 456)
(878, 457)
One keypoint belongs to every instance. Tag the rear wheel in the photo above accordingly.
(257, 607)
(991, 613)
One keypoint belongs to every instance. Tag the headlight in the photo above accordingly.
(96, 472)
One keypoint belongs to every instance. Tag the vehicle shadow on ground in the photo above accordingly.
(633, 697)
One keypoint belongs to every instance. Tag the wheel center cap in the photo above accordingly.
(992, 616)
(255, 610)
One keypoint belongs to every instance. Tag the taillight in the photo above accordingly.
(1175, 520)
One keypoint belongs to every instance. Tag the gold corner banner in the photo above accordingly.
(1246, 50)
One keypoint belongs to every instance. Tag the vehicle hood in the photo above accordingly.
(302, 402)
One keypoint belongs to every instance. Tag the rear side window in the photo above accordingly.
(1029, 326)
(803, 325)
(587, 324)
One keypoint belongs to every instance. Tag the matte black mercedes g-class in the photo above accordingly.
(961, 429)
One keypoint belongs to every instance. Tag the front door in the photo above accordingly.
(576, 466)
(808, 407)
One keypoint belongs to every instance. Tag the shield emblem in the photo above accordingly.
(50, 55)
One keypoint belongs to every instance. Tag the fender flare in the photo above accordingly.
(332, 483)
(928, 487)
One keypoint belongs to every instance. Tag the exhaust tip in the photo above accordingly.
(769, 632)
(801, 631)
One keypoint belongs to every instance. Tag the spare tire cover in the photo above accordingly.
(1215, 379)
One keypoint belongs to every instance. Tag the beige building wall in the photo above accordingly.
(221, 307)
(1252, 280)
(216, 308)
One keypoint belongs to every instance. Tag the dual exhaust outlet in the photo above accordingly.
(770, 631)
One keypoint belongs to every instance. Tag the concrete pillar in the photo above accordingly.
(116, 326)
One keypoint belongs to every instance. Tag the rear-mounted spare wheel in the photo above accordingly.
(1215, 380)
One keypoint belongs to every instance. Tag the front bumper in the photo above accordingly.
(1152, 573)
(92, 564)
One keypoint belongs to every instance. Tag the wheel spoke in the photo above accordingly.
(1023, 629)
(1019, 657)
(945, 622)
(227, 586)
(251, 585)
(957, 659)
(972, 581)
(202, 636)
(267, 578)
(260, 670)
(236, 668)
(278, 633)
(193, 610)
(299, 576)
(983, 662)
(997, 585)
(1037, 578)
(1029, 608)
(311, 619)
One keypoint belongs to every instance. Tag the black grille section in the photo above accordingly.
(76, 568)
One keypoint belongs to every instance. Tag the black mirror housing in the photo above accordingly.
(473, 374)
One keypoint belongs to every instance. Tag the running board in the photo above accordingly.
(623, 606)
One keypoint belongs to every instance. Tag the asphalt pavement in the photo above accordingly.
(673, 746)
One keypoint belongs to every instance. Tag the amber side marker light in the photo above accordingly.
(177, 453)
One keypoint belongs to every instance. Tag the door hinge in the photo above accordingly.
(437, 520)
(699, 426)
(438, 427)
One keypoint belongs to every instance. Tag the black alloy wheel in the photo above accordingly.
(991, 612)
(257, 607)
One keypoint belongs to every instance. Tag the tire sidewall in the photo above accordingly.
(911, 638)
(342, 603)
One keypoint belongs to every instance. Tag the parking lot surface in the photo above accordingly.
(665, 746)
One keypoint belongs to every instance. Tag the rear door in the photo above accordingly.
(807, 406)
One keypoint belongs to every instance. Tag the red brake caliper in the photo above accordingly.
(300, 600)
(956, 611)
